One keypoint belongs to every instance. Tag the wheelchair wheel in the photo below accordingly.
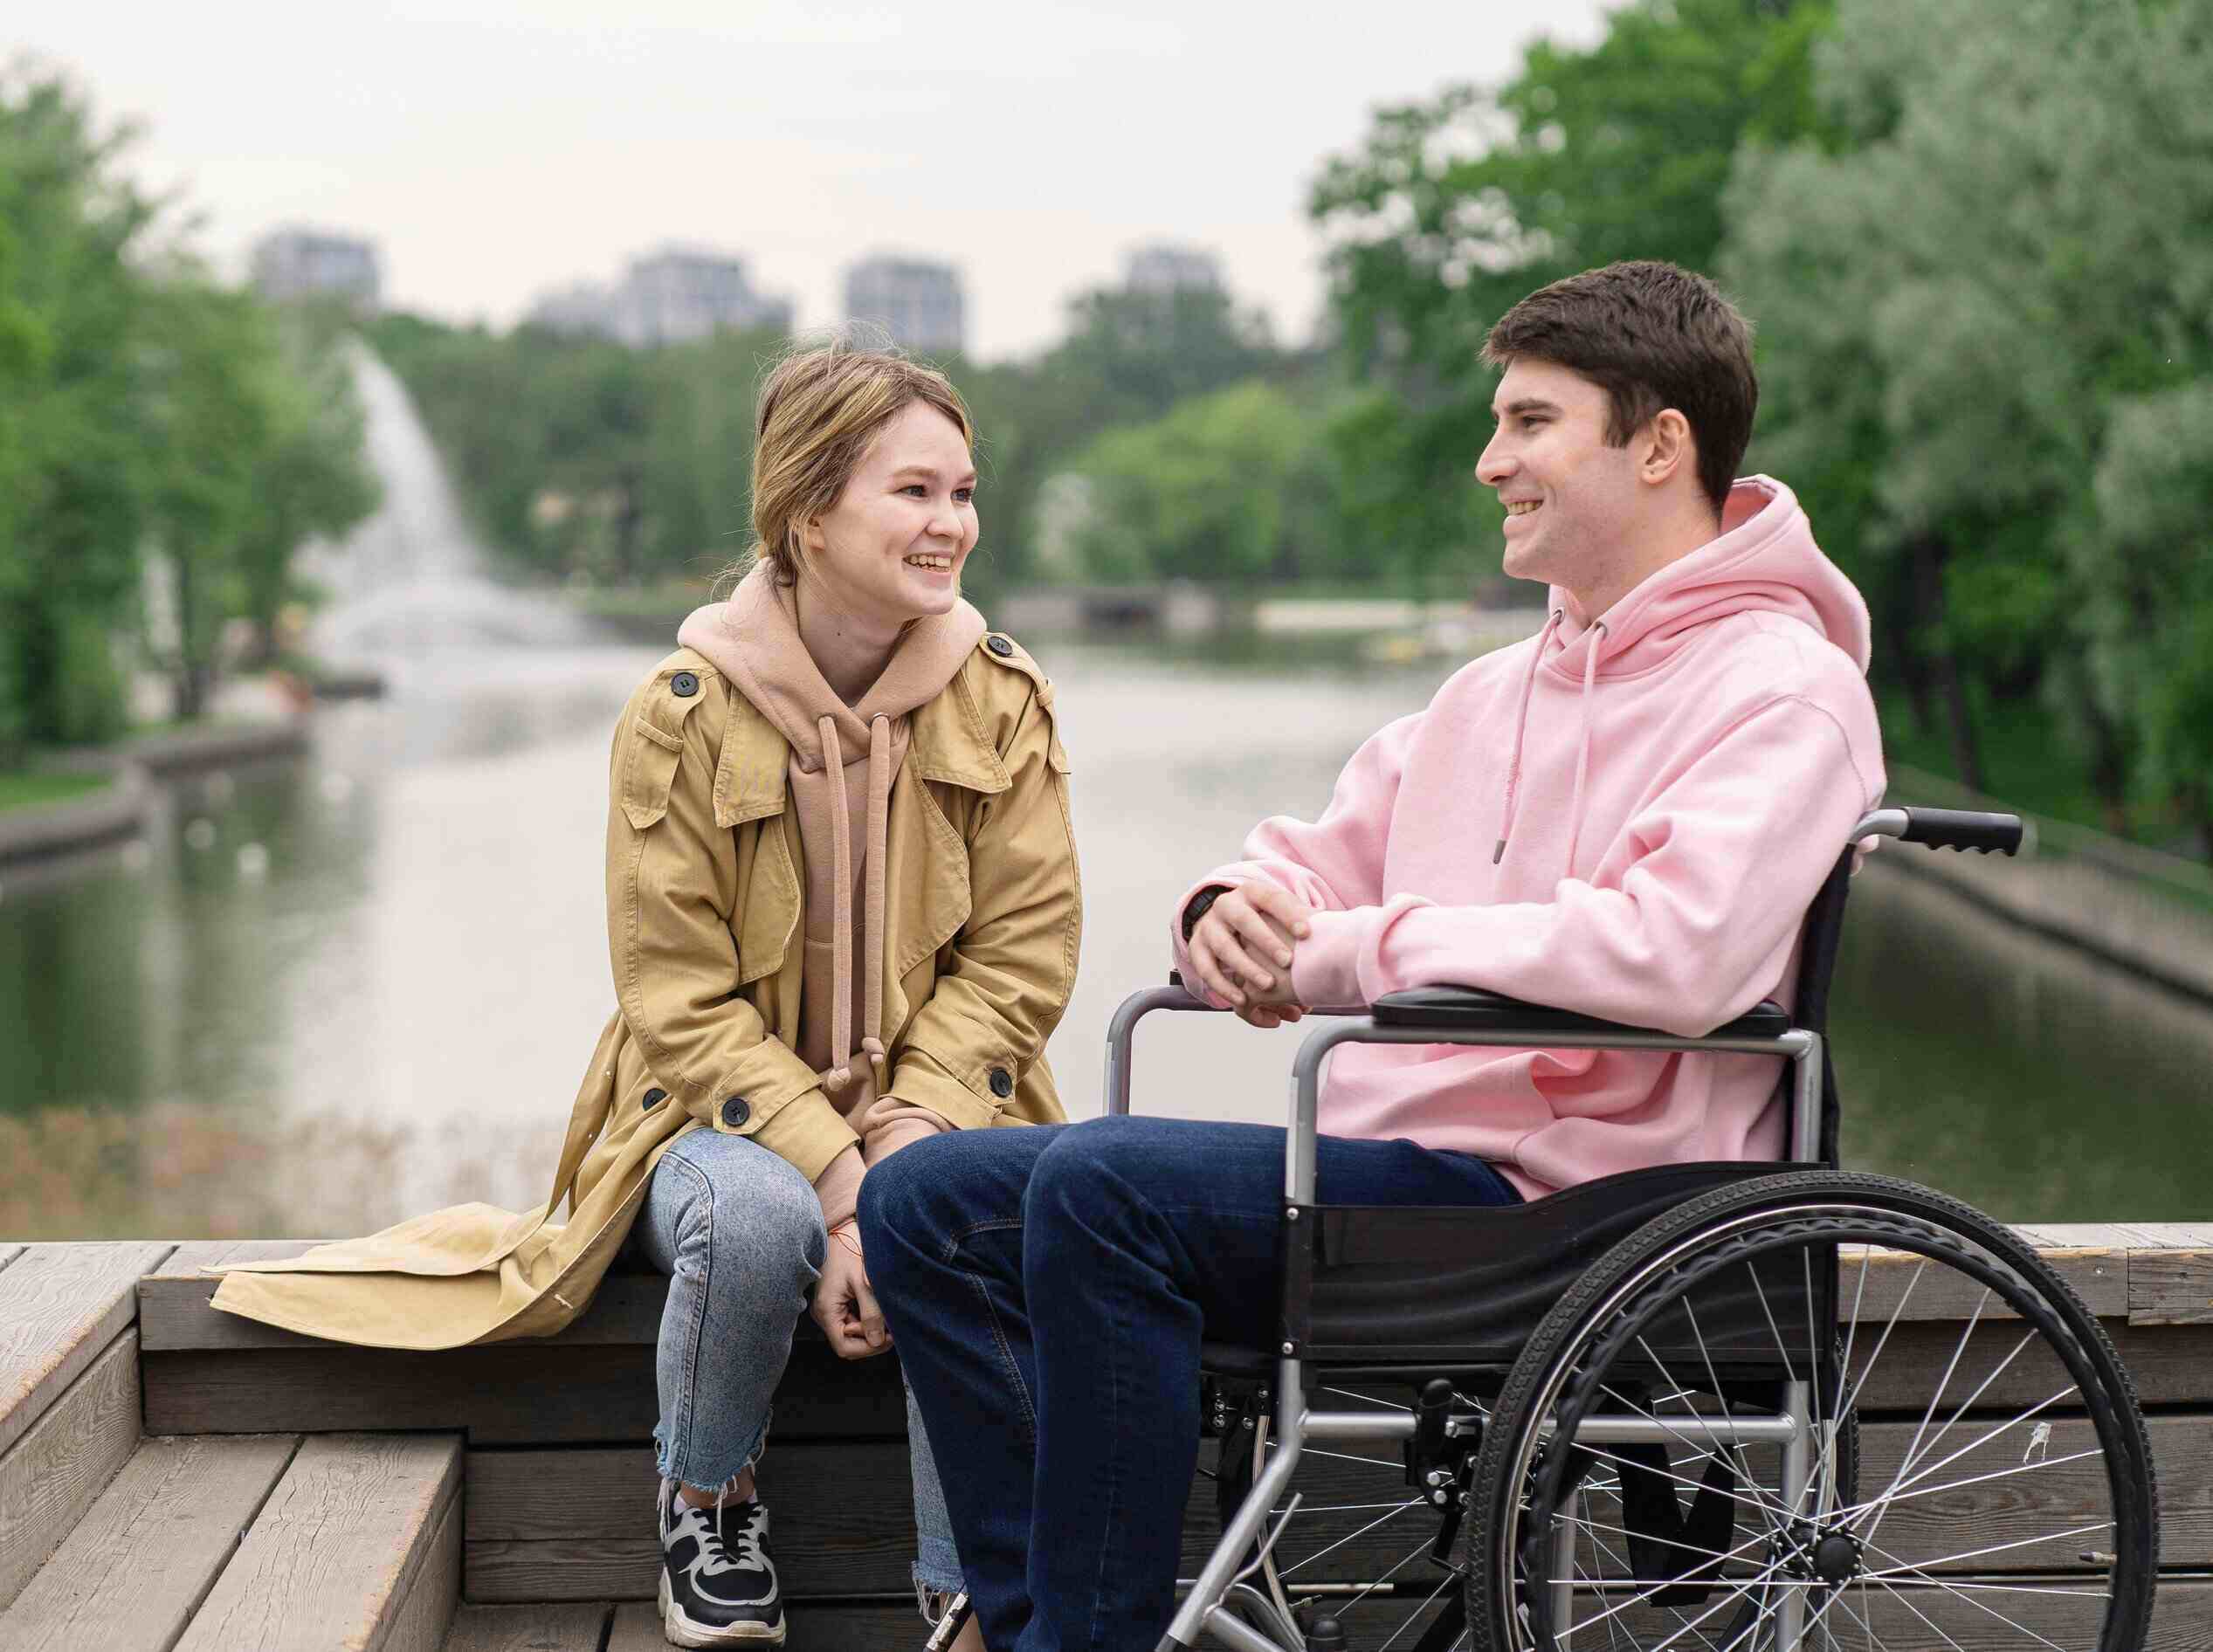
(1644, 1483)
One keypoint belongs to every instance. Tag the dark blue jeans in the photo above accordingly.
(1047, 1288)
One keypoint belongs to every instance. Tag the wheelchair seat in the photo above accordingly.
(1437, 1289)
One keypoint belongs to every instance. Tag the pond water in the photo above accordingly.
(326, 992)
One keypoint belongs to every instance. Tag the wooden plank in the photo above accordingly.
(578, 1525)
(887, 1626)
(1935, 1621)
(2040, 1491)
(433, 1593)
(1897, 1283)
(59, 1467)
(174, 1311)
(508, 1393)
(61, 1307)
(138, 1565)
(333, 1557)
(880, 1626)
(529, 1628)
(2170, 1287)
(574, 1524)
(2169, 1365)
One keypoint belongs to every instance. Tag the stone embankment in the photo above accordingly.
(2143, 912)
(45, 831)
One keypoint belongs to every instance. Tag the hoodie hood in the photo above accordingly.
(753, 639)
(843, 760)
(1763, 560)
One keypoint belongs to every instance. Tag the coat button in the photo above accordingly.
(1002, 1083)
(1000, 646)
(654, 1098)
(735, 1112)
(684, 685)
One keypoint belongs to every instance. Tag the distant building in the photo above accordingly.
(1165, 267)
(920, 303)
(681, 294)
(670, 297)
(295, 262)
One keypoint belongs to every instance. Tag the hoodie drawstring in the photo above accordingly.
(840, 1073)
(1520, 732)
(1582, 750)
(1520, 729)
(879, 812)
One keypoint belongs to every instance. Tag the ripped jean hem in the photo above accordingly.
(674, 1465)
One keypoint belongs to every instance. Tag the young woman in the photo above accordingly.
(844, 915)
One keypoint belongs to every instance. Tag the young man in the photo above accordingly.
(1626, 816)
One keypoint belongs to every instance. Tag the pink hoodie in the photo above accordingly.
(1625, 818)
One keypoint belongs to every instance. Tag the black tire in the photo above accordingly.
(1597, 1330)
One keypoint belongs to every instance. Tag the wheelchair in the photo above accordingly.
(1715, 1406)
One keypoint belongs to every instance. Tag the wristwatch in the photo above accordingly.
(1195, 908)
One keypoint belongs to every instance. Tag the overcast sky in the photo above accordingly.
(493, 151)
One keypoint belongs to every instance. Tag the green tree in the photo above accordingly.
(206, 391)
(1960, 302)
(1453, 209)
(1226, 487)
(71, 441)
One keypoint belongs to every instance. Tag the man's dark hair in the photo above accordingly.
(1652, 336)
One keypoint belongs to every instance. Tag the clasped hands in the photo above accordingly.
(1242, 947)
(844, 1305)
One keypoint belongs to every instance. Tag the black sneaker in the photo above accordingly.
(718, 1584)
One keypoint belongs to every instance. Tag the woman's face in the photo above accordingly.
(891, 549)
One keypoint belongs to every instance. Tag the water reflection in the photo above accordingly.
(396, 1010)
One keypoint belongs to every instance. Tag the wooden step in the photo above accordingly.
(61, 1306)
(529, 1629)
(69, 1390)
(129, 1578)
(869, 1625)
(358, 1546)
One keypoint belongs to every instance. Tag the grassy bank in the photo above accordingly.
(25, 789)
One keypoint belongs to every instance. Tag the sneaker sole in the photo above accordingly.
(681, 1630)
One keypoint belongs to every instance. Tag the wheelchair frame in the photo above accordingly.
(1811, 1142)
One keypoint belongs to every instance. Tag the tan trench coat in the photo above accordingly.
(704, 891)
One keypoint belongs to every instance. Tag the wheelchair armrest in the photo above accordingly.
(1471, 1009)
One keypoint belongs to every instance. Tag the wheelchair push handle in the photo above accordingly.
(1961, 829)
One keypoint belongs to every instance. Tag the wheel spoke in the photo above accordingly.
(1904, 1297)
(1906, 1601)
(1966, 1593)
(1997, 1548)
(1284, 1572)
(1900, 1486)
(1451, 1578)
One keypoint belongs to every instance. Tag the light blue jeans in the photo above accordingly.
(739, 1232)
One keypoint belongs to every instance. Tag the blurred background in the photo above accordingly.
(376, 397)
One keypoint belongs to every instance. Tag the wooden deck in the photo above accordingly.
(172, 1477)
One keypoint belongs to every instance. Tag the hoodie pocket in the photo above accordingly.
(648, 773)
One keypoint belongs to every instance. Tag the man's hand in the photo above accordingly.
(1242, 950)
(845, 1306)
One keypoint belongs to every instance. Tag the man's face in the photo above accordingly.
(1572, 502)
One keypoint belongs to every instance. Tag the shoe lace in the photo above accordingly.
(720, 1551)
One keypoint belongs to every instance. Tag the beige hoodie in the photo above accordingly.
(753, 640)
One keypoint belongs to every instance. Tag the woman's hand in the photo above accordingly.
(845, 1306)
(1242, 950)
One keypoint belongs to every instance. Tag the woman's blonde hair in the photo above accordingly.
(819, 409)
